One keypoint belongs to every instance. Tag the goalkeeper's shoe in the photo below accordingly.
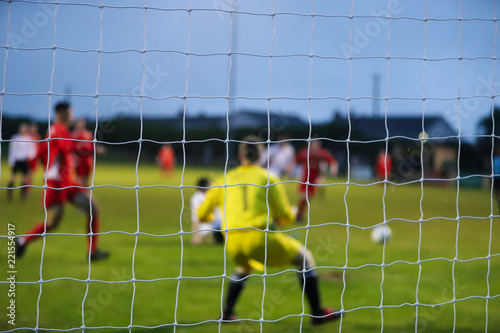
(19, 249)
(328, 315)
(98, 255)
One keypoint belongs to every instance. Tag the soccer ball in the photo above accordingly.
(381, 233)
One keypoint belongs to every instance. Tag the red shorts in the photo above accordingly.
(59, 192)
(32, 164)
(83, 168)
(313, 178)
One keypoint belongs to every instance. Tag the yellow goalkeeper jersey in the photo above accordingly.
(245, 198)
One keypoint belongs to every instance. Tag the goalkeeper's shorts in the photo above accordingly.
(248, 248)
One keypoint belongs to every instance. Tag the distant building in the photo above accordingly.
(438, 158)
(437, 129)
(406, 134)
(244, 119)
(253, 120)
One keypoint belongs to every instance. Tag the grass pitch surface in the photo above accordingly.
(438, 257)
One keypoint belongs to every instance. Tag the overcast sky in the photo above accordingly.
(168, 30)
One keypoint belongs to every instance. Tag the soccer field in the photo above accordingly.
(139, 284)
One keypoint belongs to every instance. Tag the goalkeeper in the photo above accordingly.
(245, 215)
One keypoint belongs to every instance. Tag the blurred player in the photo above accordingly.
(383, 165)
(204, 228)
(33, 161)
(57, 156)
(245, 209)
(84, 151)
(21, 150)
(310, 159)
(166, 159)
(281, 158)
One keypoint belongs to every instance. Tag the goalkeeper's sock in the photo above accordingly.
(219, 238)
(311, 290)
(234, 291)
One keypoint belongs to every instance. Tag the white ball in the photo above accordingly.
(381, 233)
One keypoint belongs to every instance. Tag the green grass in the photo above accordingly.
(157, 211)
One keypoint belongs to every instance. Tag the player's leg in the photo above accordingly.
(238, 281)
(239, 246)
(321, 190)
(55, 213)
(283, 250)
(309, 281)
(196, 239)
(81, 199)
(12, 181)
(29, 176)
(306, 194)
(26, 180)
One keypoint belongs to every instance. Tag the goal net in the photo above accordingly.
(391, 105)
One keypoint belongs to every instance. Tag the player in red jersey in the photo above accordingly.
(57, 156)
(166, 159)
(383, 165)
(310, 159)
(84, 151)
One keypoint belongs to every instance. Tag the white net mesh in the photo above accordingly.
(412, 80)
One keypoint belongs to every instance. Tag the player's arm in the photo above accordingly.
(82, 145)
(212, 200)
(280, 207)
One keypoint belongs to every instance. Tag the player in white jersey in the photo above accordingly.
(21, 150)
(281, 158)
(204, 229)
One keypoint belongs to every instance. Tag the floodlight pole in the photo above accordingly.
(232, 83)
